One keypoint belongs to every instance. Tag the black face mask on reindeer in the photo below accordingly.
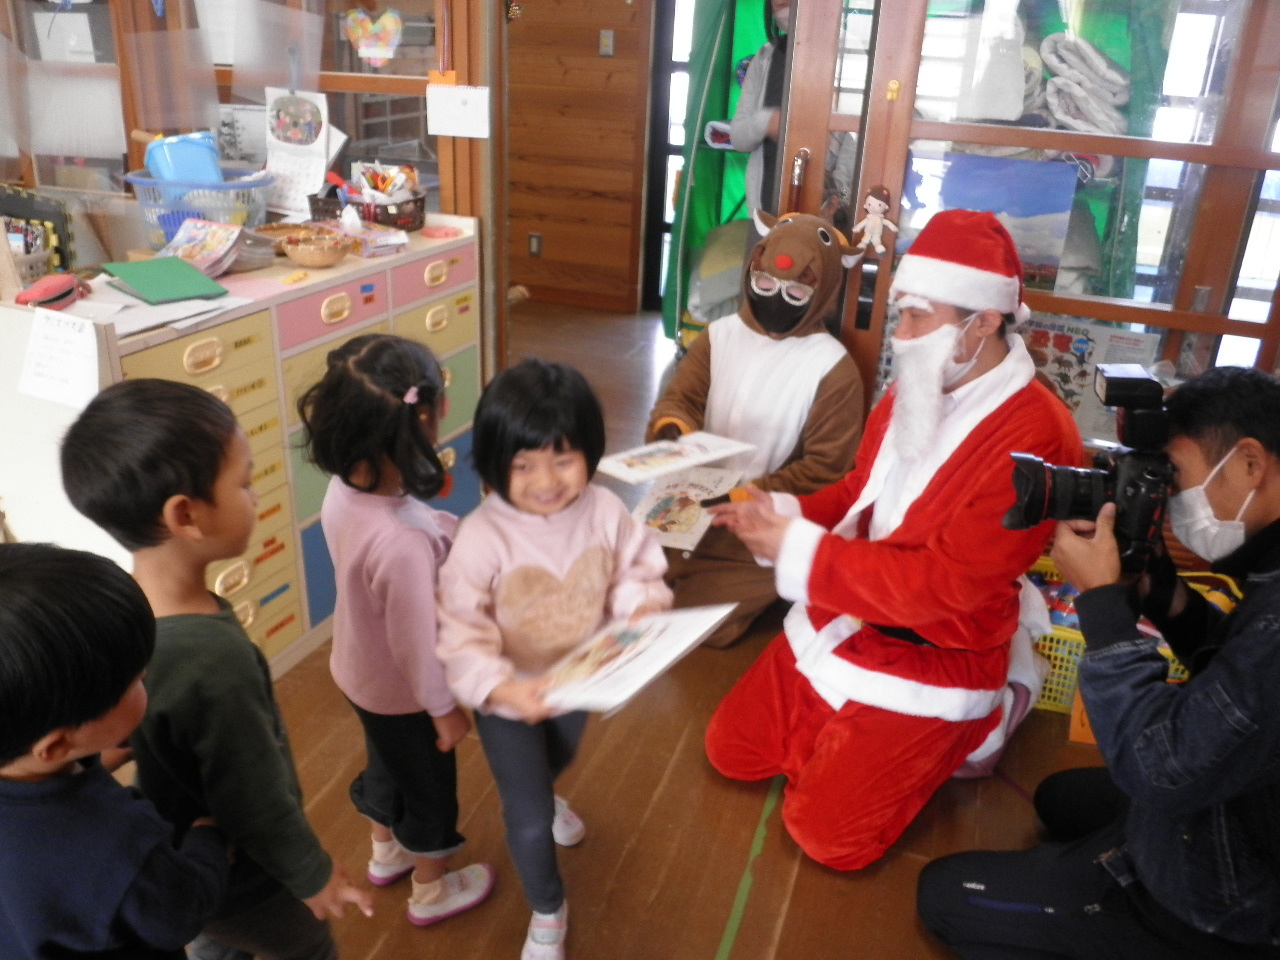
(793, 277)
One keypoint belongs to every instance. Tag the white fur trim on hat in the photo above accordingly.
(946, 281)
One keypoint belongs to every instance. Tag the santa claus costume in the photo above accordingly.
(894, 662)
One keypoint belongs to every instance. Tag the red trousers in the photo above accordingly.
(856, 776)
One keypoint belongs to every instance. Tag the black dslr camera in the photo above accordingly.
(1134, 473)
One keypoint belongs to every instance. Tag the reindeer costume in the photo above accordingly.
(772, 376)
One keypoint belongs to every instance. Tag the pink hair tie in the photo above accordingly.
(411, 395)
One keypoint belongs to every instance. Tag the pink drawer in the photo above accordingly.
(433, 276)
(332, 309)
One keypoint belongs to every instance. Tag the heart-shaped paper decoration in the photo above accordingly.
(375, 41)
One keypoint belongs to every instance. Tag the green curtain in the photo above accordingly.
(714, 182)
(1135, 34)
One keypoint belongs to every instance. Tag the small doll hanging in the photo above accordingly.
(872, 225)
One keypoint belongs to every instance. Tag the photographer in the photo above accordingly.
(1189, 864)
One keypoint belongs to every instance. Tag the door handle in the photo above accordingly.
(799, 164)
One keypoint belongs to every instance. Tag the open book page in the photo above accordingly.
(620, 660)
(671, 507)
(653, 460)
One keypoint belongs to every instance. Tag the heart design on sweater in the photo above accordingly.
(543, 616)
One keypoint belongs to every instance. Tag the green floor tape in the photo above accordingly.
(744, 885)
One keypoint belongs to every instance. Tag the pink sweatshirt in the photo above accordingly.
(519, 590)
(386, 553)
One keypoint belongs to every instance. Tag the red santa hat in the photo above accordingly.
(965, 258)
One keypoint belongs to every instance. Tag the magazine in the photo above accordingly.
(654, 460)
(207, 246)
(672, 508)
(624, 657)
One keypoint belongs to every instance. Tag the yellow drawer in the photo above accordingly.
(444, 325)
(278, 629)
(304, 369)
(272, 612)
(270, 550)
(205, 356)
(245, 388)
(264, 427)
(266, 596)
(269, 471)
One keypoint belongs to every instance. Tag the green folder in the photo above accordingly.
(163, 280)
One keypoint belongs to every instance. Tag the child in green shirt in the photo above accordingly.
(164, 468)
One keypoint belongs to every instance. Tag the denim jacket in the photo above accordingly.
(1200, 760)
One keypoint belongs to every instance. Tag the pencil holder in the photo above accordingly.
(407, 215)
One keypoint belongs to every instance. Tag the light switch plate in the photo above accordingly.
(606, 43)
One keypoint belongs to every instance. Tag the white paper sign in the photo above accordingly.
(457, 111)
(61, 363)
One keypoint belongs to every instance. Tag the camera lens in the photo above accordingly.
(1045, 492)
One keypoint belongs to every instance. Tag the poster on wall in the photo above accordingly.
(1068, 350)
(1031, 198)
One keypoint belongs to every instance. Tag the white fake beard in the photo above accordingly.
(783, 19)
(919, 367)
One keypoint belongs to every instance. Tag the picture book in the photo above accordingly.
(654, 460)
(671, 507)
(207, 246)
(624, 657)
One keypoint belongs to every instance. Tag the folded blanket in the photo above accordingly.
(1076, 59)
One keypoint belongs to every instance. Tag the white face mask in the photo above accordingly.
(1193, 521)
(953, 372)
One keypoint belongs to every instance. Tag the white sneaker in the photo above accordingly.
(463, 889)
(567, 828)
(389, 863)
(546, 936)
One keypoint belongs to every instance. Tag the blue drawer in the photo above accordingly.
(464, 492)
(317, 567)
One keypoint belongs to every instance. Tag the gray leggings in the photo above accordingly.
(526, 759)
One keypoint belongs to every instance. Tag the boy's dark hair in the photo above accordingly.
(532, 405)
(368, 404)
(75, 632)
(1224, 405)
(138, 443)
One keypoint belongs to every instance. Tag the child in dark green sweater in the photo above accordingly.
(164, 468)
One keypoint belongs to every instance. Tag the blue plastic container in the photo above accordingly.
(189, 157)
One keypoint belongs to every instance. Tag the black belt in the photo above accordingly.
(902, 633)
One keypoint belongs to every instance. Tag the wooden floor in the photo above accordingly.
(678, 863)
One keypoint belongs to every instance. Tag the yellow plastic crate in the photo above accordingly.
(1063, 649)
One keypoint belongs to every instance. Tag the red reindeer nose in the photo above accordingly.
(783, 261)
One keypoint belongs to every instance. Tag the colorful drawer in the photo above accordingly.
(317, 565)
(444, 324)
(204, 358)
(309, 481)
(270, 550)
(434, 276)
(245, 388)
(265, 429)
(462, 382)
(271, 613)
(462, 493)
(332, 309)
